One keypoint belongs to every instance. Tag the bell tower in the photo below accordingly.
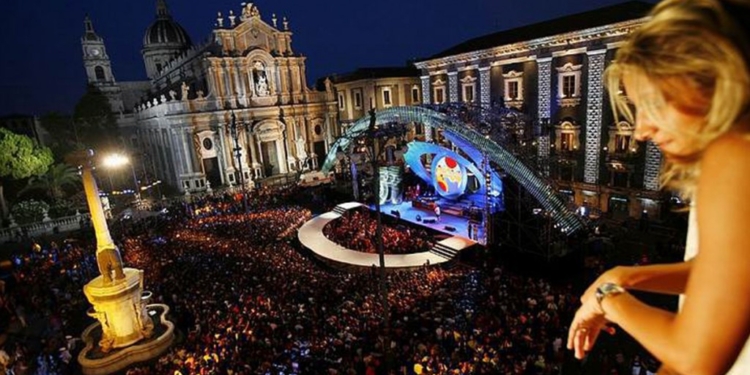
(98, 67)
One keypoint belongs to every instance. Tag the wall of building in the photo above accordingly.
(580, 54)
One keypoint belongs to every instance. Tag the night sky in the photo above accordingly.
(41, 67)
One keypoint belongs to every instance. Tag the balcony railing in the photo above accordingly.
(59, 225)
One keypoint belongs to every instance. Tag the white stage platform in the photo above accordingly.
(311, 236)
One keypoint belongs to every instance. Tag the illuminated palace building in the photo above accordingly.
(181, 118)
(552, 71)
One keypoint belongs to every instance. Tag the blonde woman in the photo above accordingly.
(685, 75)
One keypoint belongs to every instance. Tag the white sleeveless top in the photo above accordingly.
(742, 364)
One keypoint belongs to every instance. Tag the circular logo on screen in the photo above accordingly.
(448, 176)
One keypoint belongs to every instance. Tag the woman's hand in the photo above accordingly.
(588, 322)
(618, 275)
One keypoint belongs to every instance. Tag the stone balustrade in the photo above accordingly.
(59, 225)
(163, 106)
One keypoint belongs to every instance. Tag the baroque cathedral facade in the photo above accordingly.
(237, 102)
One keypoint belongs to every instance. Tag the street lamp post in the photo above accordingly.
(488, 234)
(238, 155)
(118, 160)
(379, 233)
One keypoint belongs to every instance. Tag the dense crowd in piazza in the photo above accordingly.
(247, 299)
(356, 230)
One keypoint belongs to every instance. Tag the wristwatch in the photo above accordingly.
(607, 289)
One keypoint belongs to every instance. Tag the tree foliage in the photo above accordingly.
(63, 133)
(28, 212)
(54, 181)
(94, 122)
(21, 157)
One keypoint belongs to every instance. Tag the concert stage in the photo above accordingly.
(311, 236)
(449, 224)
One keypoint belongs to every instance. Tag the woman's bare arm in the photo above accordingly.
(709, 333)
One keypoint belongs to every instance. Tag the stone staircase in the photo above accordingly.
(444, 251)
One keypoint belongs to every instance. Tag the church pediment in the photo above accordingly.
(251, 31)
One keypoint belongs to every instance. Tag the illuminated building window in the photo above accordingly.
(357, 99)
(439, 95)
(387, 97)
(567, 136)
(569, 85)
(469, 93)
(469, 89)
(566, 141)
(415, 94)
(512, 89)
(621, 138)
(622, 142)
(513, 93)
(438, 91)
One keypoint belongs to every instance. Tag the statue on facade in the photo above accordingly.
(185, 90)
(200, 94)
(261, 87)
(301, 153)
(329, 85)
(172, 95)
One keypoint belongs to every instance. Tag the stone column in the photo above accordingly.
(163, 152)
(261, 160)
(245, 144)
(453, 87)
(653, 166)
(401, 96)
(101, 231)
(239, 88)
(594, 106)
(210, 81)
(181, 162)
(484, 86)
(245, 76)
(186, 145)
(425, 89)
(544, 75)
(285, 146)
(225, 75)
(219, 144)
(284, 79)
(254, 154)
(302, 75)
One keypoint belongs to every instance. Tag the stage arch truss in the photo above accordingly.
(459, 132)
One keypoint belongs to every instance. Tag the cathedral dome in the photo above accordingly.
(164, 31)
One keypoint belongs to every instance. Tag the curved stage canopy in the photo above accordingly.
(458, 132)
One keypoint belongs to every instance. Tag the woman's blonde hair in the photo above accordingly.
(696, 53)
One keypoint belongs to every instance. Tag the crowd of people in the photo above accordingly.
(247, 299)
(39, 304)
(356, 229)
